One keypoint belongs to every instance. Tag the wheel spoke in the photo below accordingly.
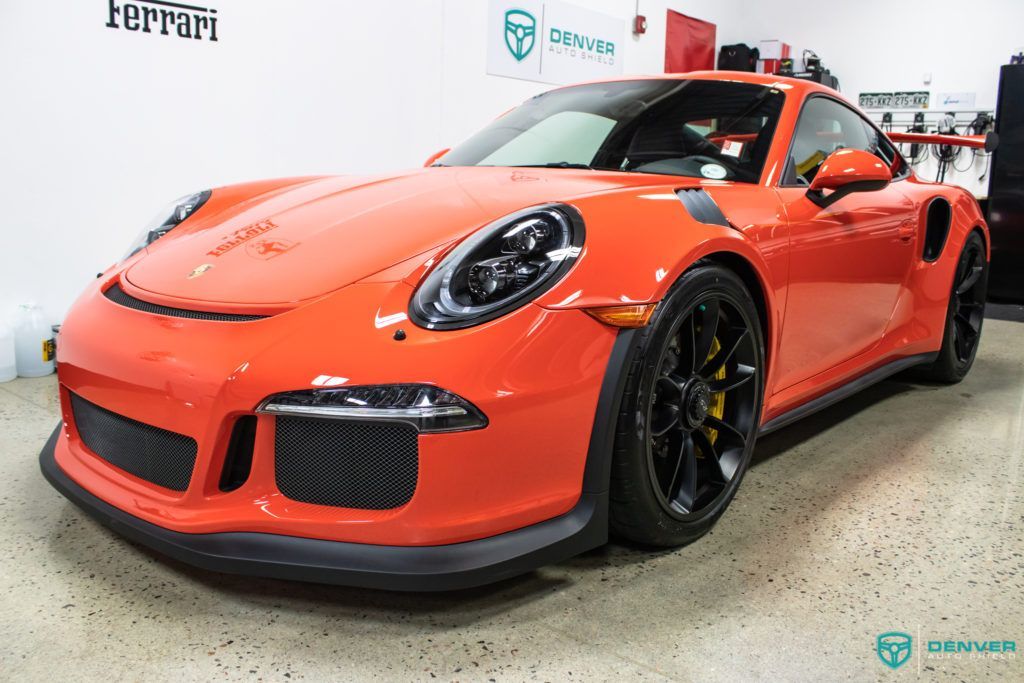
(958, 341)
(670, 384)
(683, 487)
(704, 339)
(725, 429)
(970, 280)
(742, 375)
(703, 442)
(969, 327)
(667, 417)
(725, 353)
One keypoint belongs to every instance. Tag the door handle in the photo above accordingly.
(907, 231)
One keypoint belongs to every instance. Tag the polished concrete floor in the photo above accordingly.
(901, 509)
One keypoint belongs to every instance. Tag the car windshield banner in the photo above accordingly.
(552, 42)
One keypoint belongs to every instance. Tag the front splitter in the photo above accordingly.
(399, 568)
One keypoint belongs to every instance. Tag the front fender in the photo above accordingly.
(639, 241)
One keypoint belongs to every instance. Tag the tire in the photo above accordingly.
(964, 316)
(657, 502)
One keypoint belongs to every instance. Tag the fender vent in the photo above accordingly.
(936, 228)
(119, 296)
(702, 207)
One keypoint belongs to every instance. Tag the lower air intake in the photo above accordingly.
(161, 457)
(366, 466)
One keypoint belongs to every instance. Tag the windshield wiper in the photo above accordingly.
(555, 164)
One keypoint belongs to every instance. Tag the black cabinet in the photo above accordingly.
(1006, 190)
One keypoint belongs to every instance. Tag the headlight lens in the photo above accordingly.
(170, 217)
(500, 268)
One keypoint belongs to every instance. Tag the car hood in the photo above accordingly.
(311, 238)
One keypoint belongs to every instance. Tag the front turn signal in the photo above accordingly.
(636, 315)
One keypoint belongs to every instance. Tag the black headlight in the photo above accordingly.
(169, 218)
(501, 267)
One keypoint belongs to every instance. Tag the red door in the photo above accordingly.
(689, 44)
(848, 262)
(848, 265)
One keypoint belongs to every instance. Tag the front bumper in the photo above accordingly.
(403, 568)
(535, 373)
(528, 490)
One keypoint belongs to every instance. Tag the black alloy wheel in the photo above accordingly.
(968, 301)
(690, 411)
(696, 446)
(964, 316)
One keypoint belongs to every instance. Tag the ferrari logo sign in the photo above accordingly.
(520, 33)
(893, 648)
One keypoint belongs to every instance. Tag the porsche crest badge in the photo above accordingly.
(199, 270)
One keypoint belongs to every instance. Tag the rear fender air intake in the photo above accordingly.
(937, 221)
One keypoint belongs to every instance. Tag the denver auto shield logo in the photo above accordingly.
(520, 33)
(893, 648)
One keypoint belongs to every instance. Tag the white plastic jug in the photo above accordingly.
(8, 364)
(33, 342)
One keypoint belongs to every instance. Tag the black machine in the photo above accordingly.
(1006, 190)
(813, 70)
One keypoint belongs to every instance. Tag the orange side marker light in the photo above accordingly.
(623, 316)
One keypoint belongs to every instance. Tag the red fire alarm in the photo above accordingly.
(640, 25)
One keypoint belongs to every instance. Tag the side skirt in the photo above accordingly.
(846, 390)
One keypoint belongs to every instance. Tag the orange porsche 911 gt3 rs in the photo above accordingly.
(575, 323)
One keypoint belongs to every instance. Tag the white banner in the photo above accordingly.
(953, 100)
(552, 42)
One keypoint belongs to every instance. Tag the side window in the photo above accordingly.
(824, 127)
(880, 146)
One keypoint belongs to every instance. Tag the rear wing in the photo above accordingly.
(987, 142)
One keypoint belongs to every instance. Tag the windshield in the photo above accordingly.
(707, 129)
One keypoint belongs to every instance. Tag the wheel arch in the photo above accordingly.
(983, 233)
(597, 471)
(752, 280)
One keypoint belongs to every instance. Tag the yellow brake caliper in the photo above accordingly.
(716, 408)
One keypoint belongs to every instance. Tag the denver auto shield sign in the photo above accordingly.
(552, 42)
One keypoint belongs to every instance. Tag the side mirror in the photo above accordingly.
(846, 171)
(435, 156)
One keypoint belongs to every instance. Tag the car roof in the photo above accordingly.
(798, 87)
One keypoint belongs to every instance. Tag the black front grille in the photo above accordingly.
(119, 296)
(362, 465)
(156, 455)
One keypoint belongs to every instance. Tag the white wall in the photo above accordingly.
(883, 46)
(102, 127)
(886, 45)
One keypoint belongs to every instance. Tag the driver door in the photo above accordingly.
(849, 261)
